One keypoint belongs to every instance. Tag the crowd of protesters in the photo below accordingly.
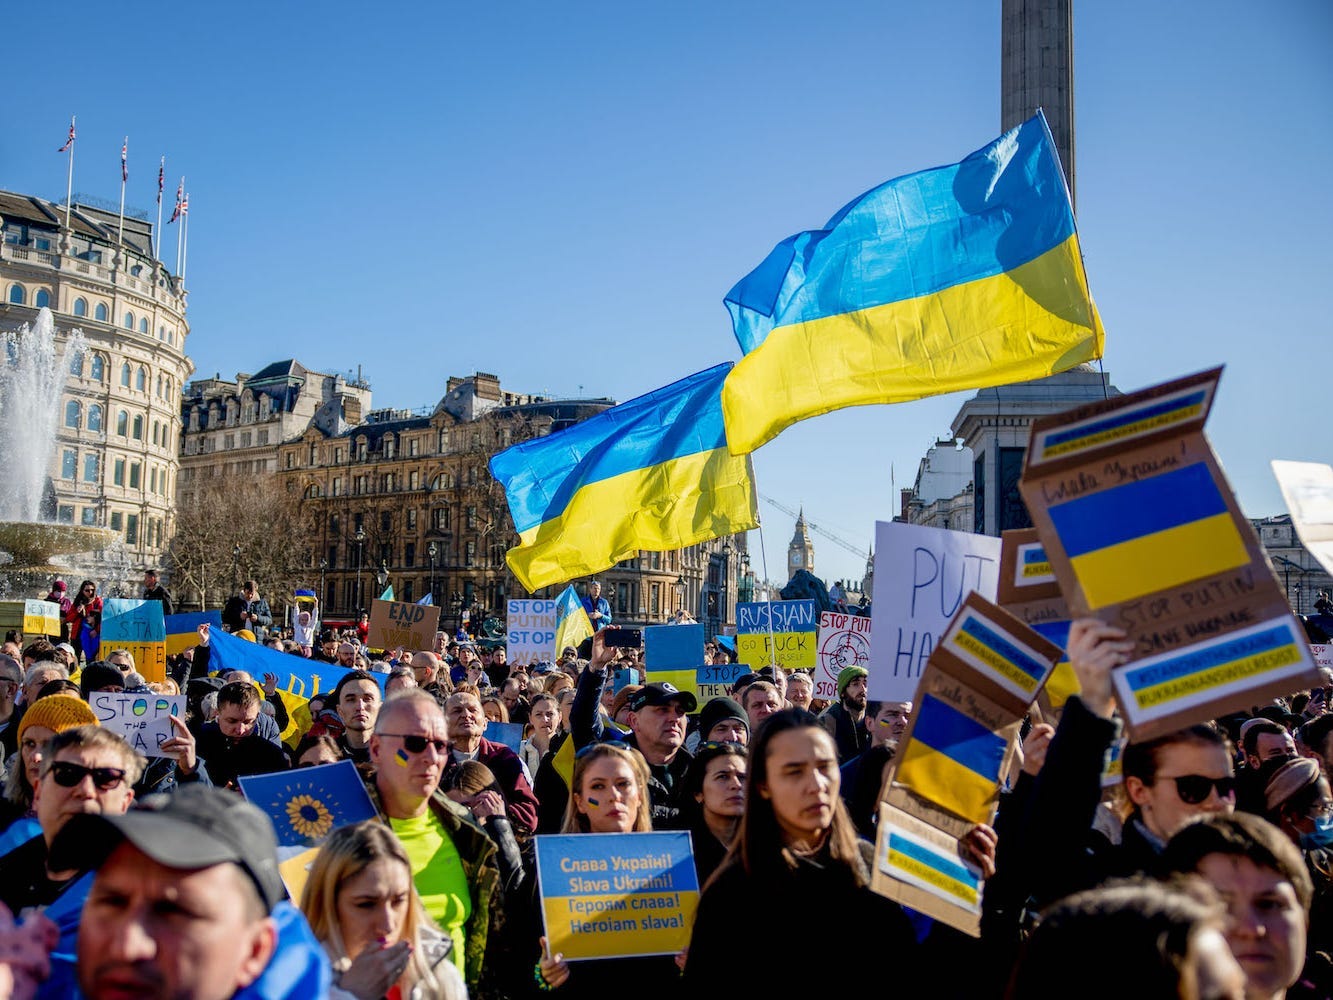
(1204, 873)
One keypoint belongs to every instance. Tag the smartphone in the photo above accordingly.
(622, 638)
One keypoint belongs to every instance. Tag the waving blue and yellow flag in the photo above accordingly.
(572, 624)
(653, 473)
(960, 277)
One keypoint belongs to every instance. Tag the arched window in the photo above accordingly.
(16, 295)
(73, 414)
(80, 307)
(141, 379)
(136, 270)
(125, 374)
(129, 320)
(161, 333)
(100, 313)
(143, 324)
(95, 417)
(97, 370)
(76, 363)
(122, 423)
(42, 298)
(138, 427)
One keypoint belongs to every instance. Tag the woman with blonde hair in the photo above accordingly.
(361, 904)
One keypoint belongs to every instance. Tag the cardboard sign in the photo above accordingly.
(139, 628)
(182, 631)
(509, 734)
(715, 679)
(613, 895)
(922, 577)
(923, 868)
(844, 641)
(966, 714)
(1308, 489)
(1323, 655)
(671, 647)
(402, 623)
(531, 631)
(682, 680)
(781, 632)
(1142, 531)
(142, 718)
(41, 618)
(1029, 591)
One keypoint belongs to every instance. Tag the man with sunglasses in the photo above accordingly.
(85, 769)
(454, 863)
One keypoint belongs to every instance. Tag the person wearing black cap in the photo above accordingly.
(721, 720)
(187, 902)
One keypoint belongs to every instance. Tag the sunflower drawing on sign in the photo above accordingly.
(309, 804)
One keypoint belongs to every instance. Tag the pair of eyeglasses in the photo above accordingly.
(1195, 788)
(1321, 810)
(67, 775)
(718, 745)
(418, 744)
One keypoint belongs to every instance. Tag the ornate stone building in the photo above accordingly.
(115, 462)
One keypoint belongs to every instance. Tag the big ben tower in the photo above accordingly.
(800, 550)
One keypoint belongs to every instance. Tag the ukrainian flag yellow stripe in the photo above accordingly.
(1243, 669)
(947, 783)
(1022, 324)
(1062, 683)
(655, 508)
(1160, 560)
(996, 662)
(938, 879)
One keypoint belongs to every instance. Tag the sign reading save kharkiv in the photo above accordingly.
(612, 895)
(1142, 531)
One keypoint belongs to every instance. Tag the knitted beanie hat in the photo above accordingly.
(848, 675)
(57, 713)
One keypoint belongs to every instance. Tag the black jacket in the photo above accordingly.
(159, 593)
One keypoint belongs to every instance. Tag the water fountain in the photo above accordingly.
(32, 382)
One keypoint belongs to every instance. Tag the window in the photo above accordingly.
(337, 485)
(412, 448)
(229, 441)
(122, 423)
(444, 442)
(40, 300)
(138, 427)
(118, 472)
(411, 520)
(132, 529)
(134, 476)
(409, 593)
(73, 414)
(263, 437)
(129, 320)
(92, 468)
(471, 520)
(117, 520)
(125, 374)
(76, 363)
(358, 522)
(100, 313)
(65, 514)
(69, 463)
(440, 517)
(152, 480)
(143, 324)
(141, 379)
(442, 482)
(159, 387)
(471, 553)
(161, 333)
(16, 295)
(98, 368)
(245, 439)
(95, 417)
(80, 307)
(409, 558)
(89, 516)
(333, 557)
(654, 599)
(337, 456)
(385, 521)
(414, 480)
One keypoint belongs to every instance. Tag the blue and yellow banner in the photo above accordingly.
(572, 624)
(650, 474)
(953, 760)
(613, 895)
(960, 277)
(673, 647)
(183, 629)
(1142, 537)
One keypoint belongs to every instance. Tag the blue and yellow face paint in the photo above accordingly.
(401, 758)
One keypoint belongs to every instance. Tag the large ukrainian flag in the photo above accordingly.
(960, 277)
(653, 473)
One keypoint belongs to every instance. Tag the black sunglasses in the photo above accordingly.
(68, 775)
(418, 744)
(1194, 788)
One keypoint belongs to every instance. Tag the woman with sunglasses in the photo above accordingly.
(796, 851)
(85, 622)
(713, 799)
(609, 794)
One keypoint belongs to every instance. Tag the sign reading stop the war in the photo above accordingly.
(844, 641)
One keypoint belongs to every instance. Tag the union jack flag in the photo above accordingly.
(180, 194)
(161, 179)
(70, 139)
(185, 205)
(124, 160)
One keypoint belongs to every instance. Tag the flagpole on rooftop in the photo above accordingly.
(180, 193)
(157, 233)
(185, 233)
(124, 176)
(69, 183)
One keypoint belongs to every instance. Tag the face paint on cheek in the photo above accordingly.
(593, 802)
(401, 758)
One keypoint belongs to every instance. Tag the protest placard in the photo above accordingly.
(1142, 531)
(402, 623)
(682, 680)
(714, 680)
(844, 641)
(672, 647)
(139, 628)
(614, 895)
(530, 626)
(509, 734)
(41, 618)
(182, 631)
(922, 867)
(141, 717)
(1307, 487)
(922, 577)
(1029, 591)
(781, 632)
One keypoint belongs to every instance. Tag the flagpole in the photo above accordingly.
(124, 176)
(185, 235)
(69, 184)
(180, 193)
(157, 233)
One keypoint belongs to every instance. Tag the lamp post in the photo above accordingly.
(235, 562)
(323, 565)
(744, 588)
(360, 542)
(1287, 567)
(457, 601)
(432, 550)
(680, 593)
(726, 585)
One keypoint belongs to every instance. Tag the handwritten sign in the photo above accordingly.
(402, 623)
(1029, 591)
(139, 628)
(715, 679)
(613, 895)
(923, 868)
(142, 718)
(781, 632)
(508, 734)
(531, 631)
(670, 647)
(844, 641)
(41, 618)
(922, 577)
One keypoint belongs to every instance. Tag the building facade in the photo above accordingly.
(1298, 571)
(115, 461)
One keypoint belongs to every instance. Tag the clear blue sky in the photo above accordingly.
(561, 194)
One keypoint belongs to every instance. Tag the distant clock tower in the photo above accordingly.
(800, 551)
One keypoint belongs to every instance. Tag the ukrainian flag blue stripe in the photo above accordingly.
(1057, 632)
(1034, 556)
(945, 866)
(1131, 416)
(963, 740)
(1123, 513)
(1003, 206)
(977, 630)
(542, 475)
(1206, 659)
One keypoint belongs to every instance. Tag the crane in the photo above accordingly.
(814, 527)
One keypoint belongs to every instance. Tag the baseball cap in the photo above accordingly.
(662, 693)
(192, 827)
